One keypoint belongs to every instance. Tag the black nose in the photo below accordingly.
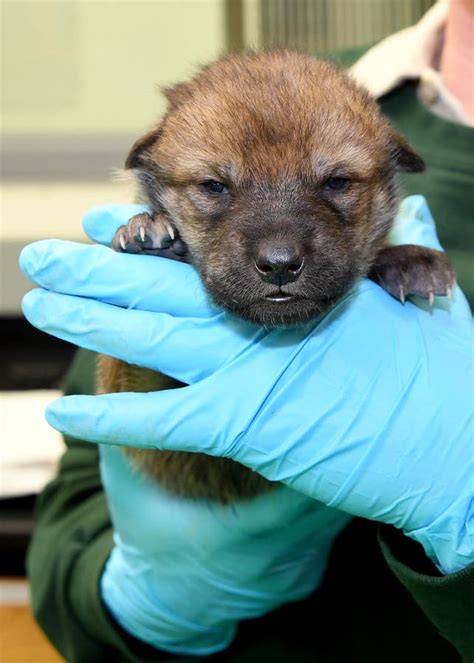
(279, 264)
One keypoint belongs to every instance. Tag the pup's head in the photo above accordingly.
(280, 174)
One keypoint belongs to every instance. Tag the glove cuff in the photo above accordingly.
(449, 540)
(141, 614)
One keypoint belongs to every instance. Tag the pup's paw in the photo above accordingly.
(151, 236)
(414, 270)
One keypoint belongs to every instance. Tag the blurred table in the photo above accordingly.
(21, 639)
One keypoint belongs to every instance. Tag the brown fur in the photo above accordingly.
(273, 128)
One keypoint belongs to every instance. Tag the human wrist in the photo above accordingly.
(449, 540)
(131, 594)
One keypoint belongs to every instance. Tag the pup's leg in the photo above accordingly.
(151, 236)
(410, 269)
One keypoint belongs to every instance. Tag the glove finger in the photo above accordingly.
(102, 222)
(414, 224)
(190, 418)
(152, 340)
(148, 420)
(131, 281)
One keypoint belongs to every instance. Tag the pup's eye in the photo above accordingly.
(337, 183)
(212, 186)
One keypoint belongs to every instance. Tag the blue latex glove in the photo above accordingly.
(374, 401)
(183, 573)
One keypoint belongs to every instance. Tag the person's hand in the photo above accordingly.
(183, 573)
(367, 410)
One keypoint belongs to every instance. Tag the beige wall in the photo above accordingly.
(81, 67)
(93, 65)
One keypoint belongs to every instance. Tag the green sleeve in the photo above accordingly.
(70, 545)
(447, 601)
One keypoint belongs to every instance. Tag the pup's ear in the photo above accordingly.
(139, 155)
(404, 155)
(177, 95)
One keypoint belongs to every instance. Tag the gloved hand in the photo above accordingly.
(183, 573)
(373, 400)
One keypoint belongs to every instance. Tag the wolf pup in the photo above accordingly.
(275, 175)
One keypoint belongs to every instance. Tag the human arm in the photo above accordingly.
(357, 587)
(72, 543)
